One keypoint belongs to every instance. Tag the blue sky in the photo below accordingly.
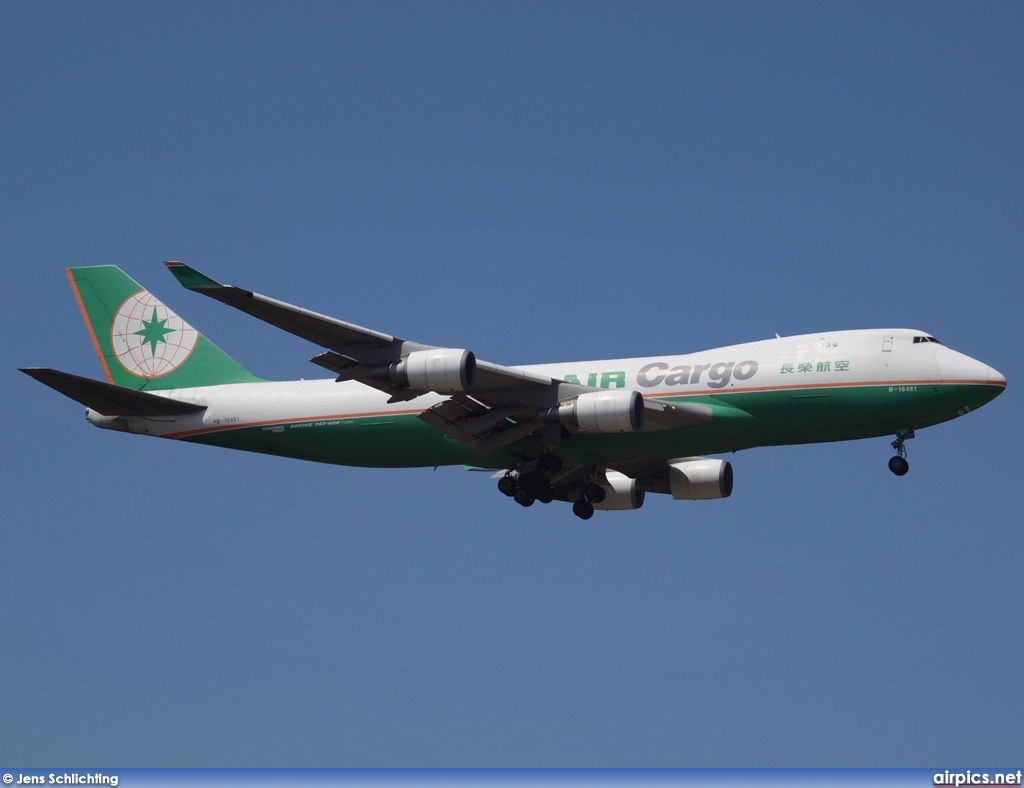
(537, 182)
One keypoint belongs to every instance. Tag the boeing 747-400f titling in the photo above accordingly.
(598, 434)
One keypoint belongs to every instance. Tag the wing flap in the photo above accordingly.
(483, 429)
(449, 414)
(507, 436)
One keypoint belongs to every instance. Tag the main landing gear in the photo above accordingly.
(526, 487)
(899, 464)
(584, 505)
(529, 482)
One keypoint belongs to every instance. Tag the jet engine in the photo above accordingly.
(443, 370)
(691, 480)
(700, 480)
(622, 493)
(615, 410)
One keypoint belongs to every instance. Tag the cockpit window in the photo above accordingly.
(926, 339)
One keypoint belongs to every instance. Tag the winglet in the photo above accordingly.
(189, 277)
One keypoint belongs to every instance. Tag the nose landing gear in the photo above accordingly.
(899, 464)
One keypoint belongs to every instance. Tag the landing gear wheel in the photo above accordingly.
(523, 498)
(583, 509)
(547, 495)
(594, 492)
(899, 465)
(508, 485)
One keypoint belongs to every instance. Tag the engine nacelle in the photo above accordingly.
(615, 410)
(622, 493)
(700, 480)
(444, 370)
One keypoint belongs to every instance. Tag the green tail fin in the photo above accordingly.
(141, 343)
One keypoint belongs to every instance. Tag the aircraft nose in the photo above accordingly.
(956, 367)
(996, 377)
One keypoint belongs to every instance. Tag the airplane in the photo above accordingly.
(597, 434)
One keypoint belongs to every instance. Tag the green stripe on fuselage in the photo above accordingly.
(742, 420)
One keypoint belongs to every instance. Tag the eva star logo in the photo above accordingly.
(148, 339)
(153, 331)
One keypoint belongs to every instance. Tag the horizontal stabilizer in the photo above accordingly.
(111, 400)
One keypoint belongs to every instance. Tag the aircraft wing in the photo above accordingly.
(355, 351)
(489, 407)
(344, 338)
